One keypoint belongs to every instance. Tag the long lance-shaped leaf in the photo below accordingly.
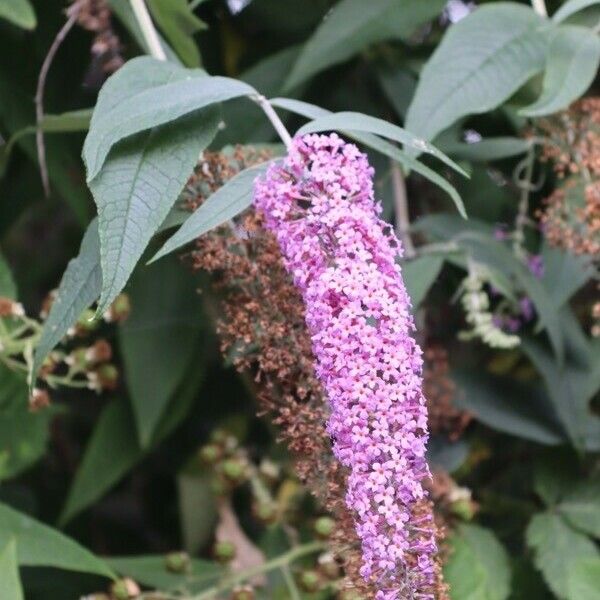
(143, 95)
(353, 121)
(79, 287)
(137, 188)
(227, 202)
(311, 111)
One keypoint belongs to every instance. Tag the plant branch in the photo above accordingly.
(401, 209)
(148, 30)
(275, 120)
(72, 13)
(540, 7)
(280, 562)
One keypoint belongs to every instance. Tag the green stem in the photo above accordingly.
(277, 563)
(540, 7)
(148, 30)
(290, 583)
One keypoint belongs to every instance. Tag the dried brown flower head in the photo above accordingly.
(570, 217)
(440, 391)
(96, 16)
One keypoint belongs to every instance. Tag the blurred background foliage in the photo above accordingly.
(514, 395)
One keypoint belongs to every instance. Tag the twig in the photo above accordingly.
(276, 563)
(540, 7)
(401, 209)
(72, 13)
(275, 120)
(148, 30)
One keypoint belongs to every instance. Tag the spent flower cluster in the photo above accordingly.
(343, 259)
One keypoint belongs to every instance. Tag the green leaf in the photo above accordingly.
(564, 273)
(227, 202)
(151, 571)
(477, 567)
(197, 506)
(482, 60)
(556, 549)
(19, 12)
(10, 582)
(79, 287)
(583, 580)
(136, 189)
(64, 164)
(146, 93)
(572, 384)
(8, 287)
(179, 24)
(571, 7)
(159, 339)
(23, 434)
(506, 405)
(419, 275)
(353, 25)
(113, 448)
(40, 545)
(72, 121)
(580, 507)
(111, 451)
(488, 149)
(398, 85)
(572, 64)
(372, 141)
(353, 121)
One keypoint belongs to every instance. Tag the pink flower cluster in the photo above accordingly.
(320, 205)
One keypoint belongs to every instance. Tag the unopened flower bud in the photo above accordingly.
(224, 551)
(39, 399)
(464, 509)
(324, 526)
(242, 592)
(310, 581)
(266, 512)
(100, 352)
(124, 589)
(86, 322)
(210, 454)
(105, 377)
(10, 308)
(269, 470)
(234, 470)
(178, 562)
(47, 304)
(119, 309)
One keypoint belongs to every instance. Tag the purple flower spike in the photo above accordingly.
(320, 205)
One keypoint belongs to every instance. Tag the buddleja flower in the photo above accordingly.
(343, 259)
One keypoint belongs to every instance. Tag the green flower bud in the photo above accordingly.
(178, 562)
(224, 551)
(266, 512)
(324, 526)
(234, 470)
(310, 581)
(210, 453)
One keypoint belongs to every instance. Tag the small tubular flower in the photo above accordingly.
(319, 203)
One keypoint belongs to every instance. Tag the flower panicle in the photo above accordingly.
(343, 259)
